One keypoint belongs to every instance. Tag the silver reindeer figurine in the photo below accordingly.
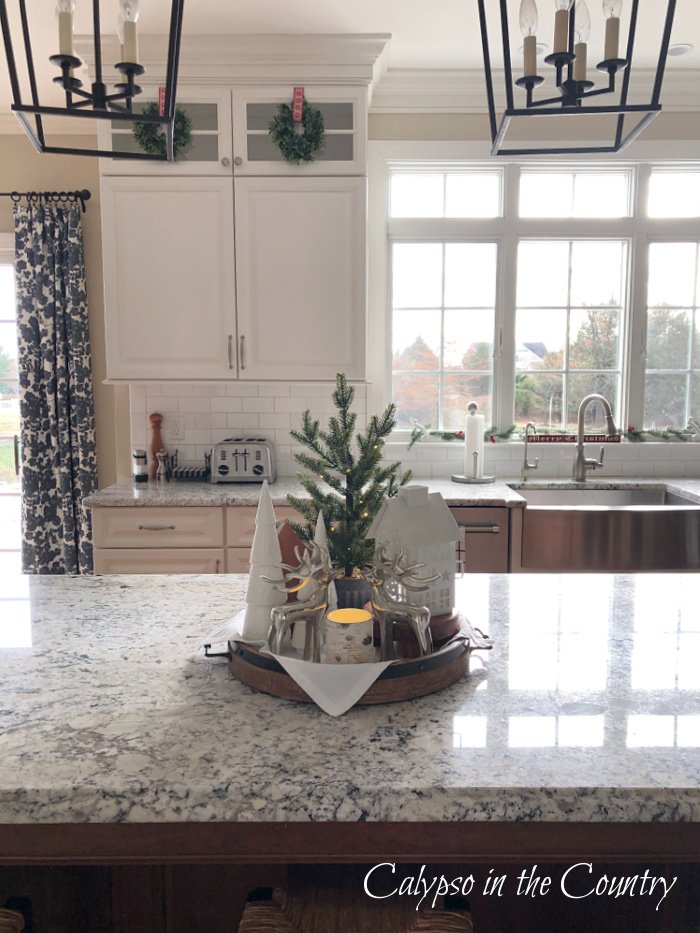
(313, 575)
(391, 579)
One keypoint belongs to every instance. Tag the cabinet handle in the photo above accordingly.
(218, 567)
(230, 351)
(156, 527)
(225, 162)
(238, 161)
(479, 529)
(242, 351)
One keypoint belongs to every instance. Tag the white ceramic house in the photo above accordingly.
(420, 523)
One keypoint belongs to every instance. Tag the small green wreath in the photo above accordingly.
(152, 140)
(298, 147)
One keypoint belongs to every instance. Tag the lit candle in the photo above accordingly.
(129, 11)
(528, 26)
(612, 10)
(561, 26)
(349, 637)
(582, 32)
(64, 12)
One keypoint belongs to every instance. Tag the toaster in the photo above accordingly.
(242, 460)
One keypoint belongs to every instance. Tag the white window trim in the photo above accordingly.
(382, 154)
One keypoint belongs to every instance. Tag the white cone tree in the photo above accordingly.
(265, 556)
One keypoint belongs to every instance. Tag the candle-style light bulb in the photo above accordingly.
(128, 16)
(64, 12)
(612, 10)
(528, 27)
(582, 32)
(582, 26)
(561, 25)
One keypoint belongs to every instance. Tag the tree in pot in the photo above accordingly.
(350, 466)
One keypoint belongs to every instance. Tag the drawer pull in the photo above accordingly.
(156, 527)
(480, 529)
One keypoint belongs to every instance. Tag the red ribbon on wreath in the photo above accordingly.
(298, 104)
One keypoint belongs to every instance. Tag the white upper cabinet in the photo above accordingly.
(170, 298)
(300, 267)
(344, 112)
(210, 149)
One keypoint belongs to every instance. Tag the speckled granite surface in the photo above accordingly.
(168, 494)
(588, 709)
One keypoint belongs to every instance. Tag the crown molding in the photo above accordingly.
(352, 59)
(423, 90)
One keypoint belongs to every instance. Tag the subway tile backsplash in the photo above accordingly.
(212, 411)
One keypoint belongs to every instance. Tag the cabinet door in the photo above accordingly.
(173, 560)
(240, 523)
(210, 149)
(484, 544)
(344, 112)
(169, 278)
(300, 267)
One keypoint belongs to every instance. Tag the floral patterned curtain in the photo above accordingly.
(59, 464)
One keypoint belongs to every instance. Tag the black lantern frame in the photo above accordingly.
(99, 102)
(573, 93)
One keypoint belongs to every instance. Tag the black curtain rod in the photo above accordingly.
(49, 197)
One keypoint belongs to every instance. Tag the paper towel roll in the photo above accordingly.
(474, 441)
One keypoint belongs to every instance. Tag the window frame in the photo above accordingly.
(639, 230)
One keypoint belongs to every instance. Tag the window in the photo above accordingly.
(674, 193)
(444, 298)
(9, 421)
(567, 327)
(672, 379)
(574, 194)
(526, 288)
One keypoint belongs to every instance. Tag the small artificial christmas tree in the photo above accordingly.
(351, 466)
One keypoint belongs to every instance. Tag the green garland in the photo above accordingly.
(298, 147)
(419, 431)
(152, 140)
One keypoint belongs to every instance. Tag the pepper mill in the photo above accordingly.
(156, 442)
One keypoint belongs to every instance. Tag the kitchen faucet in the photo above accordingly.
(526, 464)
(583, 463)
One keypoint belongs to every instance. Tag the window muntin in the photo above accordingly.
(443, 321)
(674, 194)
(672, 378)
(581, 194)
(473, 194)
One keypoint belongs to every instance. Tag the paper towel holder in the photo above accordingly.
(474, 477)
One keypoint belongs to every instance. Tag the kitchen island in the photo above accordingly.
(578, 733)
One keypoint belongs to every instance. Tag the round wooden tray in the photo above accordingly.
(402, 680)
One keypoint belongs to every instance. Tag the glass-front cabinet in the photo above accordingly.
(209, 151)
(230, 133)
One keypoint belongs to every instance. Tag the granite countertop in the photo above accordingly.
(587, 709)
(501, 493)
(196, 494)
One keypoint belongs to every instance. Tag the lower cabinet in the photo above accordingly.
(484, 545)
(178, 539)
(160, 560)
(218, 539)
